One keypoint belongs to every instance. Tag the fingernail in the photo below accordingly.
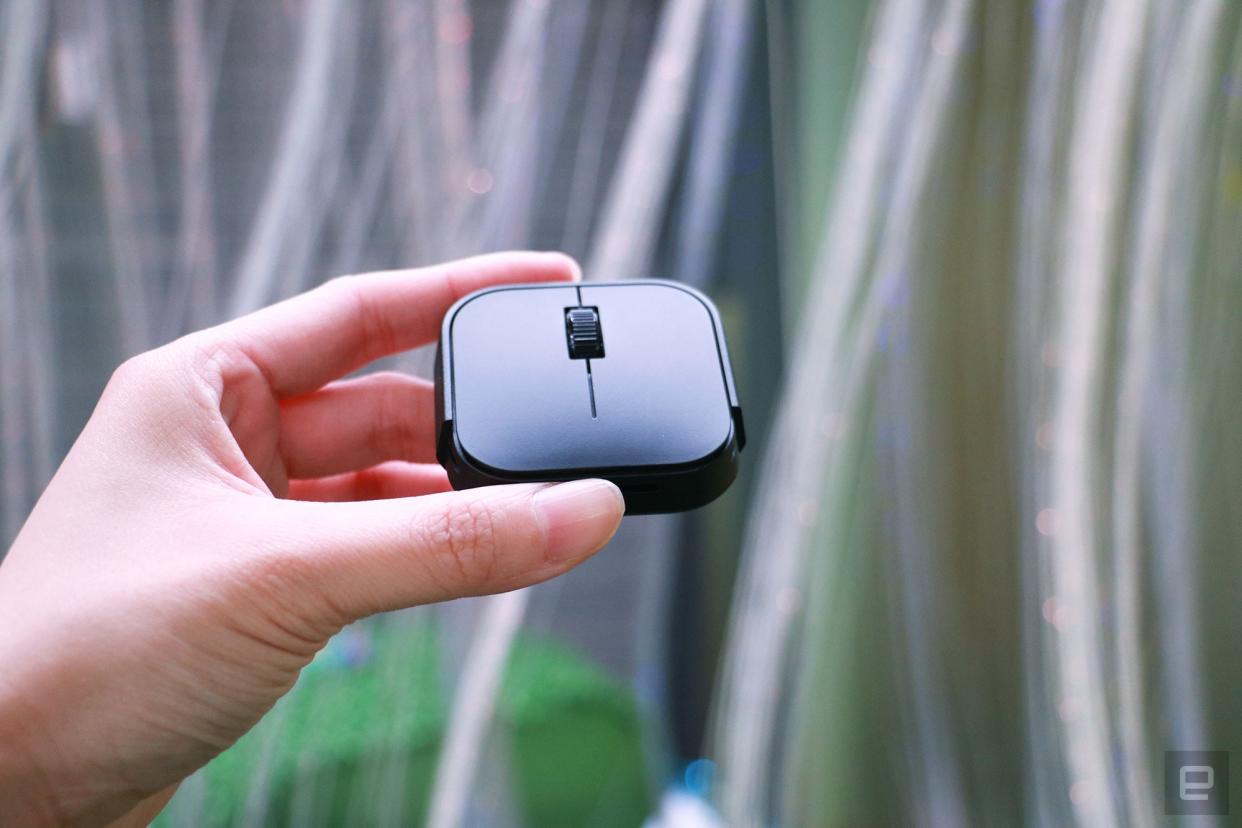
(580, 517)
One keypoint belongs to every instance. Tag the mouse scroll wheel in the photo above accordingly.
(586, 340)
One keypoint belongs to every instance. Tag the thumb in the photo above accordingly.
(372, 556)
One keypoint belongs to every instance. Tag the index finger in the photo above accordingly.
(301, 343)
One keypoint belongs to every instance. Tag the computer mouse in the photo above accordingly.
(628, 381)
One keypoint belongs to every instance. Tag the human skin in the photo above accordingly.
(230, 505)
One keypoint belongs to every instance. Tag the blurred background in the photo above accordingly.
(980, 265)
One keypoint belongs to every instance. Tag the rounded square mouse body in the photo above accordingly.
(629, 381)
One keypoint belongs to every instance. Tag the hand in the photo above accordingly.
(184, 563)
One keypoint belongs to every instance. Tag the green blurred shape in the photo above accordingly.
(356, 741)
(575, 751)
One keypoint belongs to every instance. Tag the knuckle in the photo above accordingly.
(389, 378)
(135, 383)
(210, 359)
(379, 336)
(368, 485)
(396, 432)
(343, 281)
(462, 540)
(195, 358)
(132, 371)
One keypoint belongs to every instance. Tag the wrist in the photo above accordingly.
(48, 773)
(26, 797)
(42, 778)
(36, 791)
